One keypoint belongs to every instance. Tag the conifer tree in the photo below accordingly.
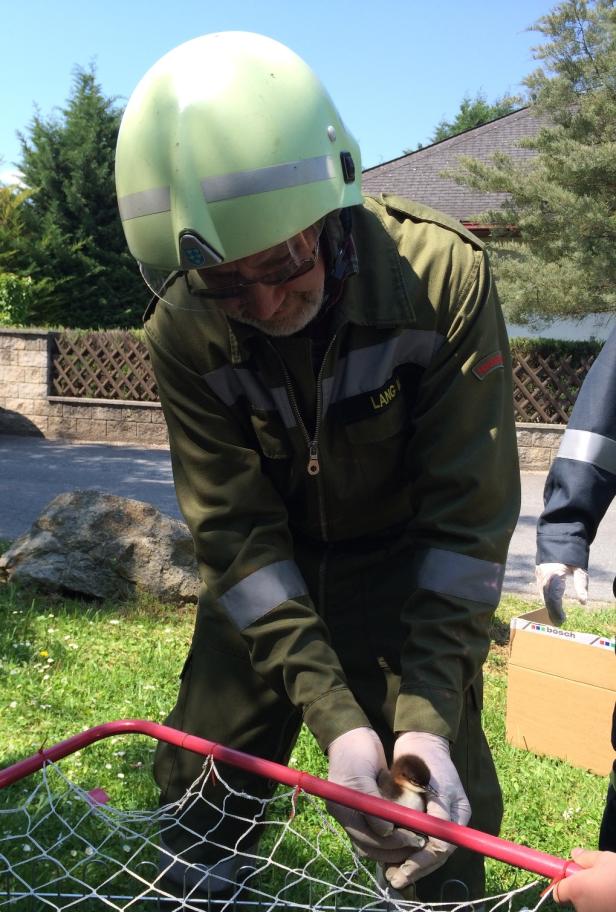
(473, 112)
(563, 200)
(72, 235)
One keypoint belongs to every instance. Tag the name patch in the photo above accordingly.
(386, 395)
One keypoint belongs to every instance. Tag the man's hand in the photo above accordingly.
(551, 581)
(449, 802)
(355, 760)
(591, 890)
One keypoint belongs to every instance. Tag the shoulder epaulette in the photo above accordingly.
(420, 213)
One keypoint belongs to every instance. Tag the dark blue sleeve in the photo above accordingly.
(582, 481)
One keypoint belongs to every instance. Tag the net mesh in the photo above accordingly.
(65, 848)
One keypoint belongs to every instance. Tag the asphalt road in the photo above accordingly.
(33, 471)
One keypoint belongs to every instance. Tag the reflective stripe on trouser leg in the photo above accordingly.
(221, 699)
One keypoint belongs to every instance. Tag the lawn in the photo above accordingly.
(67, 665)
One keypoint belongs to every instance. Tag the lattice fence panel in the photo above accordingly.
(102, 366)
(545, 386)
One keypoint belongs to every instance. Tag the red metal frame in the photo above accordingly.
(512, 853)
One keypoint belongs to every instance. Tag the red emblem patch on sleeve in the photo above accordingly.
(487, 365)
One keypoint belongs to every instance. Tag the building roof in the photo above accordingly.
(418, 175)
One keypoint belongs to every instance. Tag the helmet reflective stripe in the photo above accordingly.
(232, 140)
(230, 186)
(145, 202)
(276, 177)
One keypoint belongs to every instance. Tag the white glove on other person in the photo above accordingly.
(551, 582)
(448, 802)
(355, 760)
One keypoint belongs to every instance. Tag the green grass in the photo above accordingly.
(67, 665)
(549, 804)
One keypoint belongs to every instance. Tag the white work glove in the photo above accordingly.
(448, 802)
(355, 760)
(551, 582)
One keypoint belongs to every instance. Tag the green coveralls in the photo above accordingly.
(362, 594)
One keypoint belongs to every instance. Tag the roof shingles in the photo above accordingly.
(418, 175)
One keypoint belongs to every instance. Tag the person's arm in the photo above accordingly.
(580, 486)
(594, 888)
(465, 506)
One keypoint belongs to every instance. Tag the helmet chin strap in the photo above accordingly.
(342, 262)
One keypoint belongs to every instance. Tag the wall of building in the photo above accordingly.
(27, 408)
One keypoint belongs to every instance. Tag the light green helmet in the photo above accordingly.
(229, 145)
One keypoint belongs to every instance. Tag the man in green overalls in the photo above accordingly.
(335, 377)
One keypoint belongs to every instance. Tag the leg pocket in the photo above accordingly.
(472, 757)
(473, 760)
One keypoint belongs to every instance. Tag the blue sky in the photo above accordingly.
(394, 68)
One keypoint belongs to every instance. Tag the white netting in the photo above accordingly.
(64, 849)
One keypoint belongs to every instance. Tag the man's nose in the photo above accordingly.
(265, 300)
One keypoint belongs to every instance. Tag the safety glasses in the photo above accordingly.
(283, 263)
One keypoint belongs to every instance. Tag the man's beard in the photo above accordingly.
(299, 308)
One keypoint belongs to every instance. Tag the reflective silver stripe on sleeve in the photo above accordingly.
(230, 383)
(262, 591)
(367, 369)
(145, 202)
(586, 446)
(262, 180)
(456, 574)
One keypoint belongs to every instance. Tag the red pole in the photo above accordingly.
(512, 853)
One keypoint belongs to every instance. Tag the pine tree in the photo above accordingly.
(562, 202)
(473, 112)
(72, 232)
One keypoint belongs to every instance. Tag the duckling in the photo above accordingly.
(407, 782)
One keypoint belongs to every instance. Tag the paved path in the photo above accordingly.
(34, 470)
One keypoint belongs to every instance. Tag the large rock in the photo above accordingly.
(100, 545)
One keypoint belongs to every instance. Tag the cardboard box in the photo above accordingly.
(561, 692)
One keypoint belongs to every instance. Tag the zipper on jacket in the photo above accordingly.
(313, 466)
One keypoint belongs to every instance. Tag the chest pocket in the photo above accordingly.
(385, 416)
(271, 434)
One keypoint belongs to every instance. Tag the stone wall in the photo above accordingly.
(27, 408)
(538, 445)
